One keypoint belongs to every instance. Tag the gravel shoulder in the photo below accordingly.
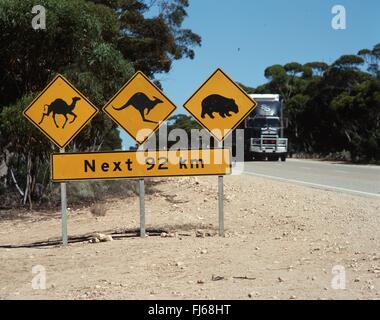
(282, 242)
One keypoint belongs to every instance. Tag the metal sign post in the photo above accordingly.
(221, 205)
(64, 209)
(142, 207)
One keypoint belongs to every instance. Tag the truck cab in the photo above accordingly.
(263, 133)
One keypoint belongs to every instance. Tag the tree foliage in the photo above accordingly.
(331, 108)
(97, 45)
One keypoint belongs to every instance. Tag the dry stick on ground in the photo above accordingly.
(127, 233)
(115, 233)
(244, 278)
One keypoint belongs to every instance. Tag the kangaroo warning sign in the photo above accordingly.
(138, 164)
(219, 105)
(139, 107)
(60, 111)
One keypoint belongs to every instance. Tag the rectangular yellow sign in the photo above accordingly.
(139, 164)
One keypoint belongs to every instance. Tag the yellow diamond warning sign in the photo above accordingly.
(139, 107)
(60, 111)
(219, 105)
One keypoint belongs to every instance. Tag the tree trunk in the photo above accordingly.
(28, 189)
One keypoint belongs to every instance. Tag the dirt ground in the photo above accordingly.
(282, 242)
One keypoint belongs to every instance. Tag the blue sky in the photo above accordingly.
(244, 37)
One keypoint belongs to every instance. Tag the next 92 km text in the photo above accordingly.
(137, 164)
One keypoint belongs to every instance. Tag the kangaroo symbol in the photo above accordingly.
(59, 106)
(141, 102)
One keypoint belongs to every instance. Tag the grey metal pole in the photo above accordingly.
(142, 207)
(221, 205)
(64, 209)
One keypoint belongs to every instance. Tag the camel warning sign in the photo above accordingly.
(60, 111)
(138, 164)
(219, 105)
(139, 107)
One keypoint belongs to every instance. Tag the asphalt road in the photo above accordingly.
(358, 179)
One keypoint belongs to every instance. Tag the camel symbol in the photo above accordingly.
(141, 102)
(59, 106)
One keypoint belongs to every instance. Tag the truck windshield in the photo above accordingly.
(264, 122)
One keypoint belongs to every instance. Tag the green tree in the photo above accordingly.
(97, 45)
(331, 108)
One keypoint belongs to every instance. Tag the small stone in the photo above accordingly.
(164, 235)
(293, 297)
(357, 280)
(280, 279)
(199, 233)
(101, 237)
(107, 238)
(200, 282)
(204, 251)
(179, 264)
(216, 278)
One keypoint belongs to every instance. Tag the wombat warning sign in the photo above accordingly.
(219, 105)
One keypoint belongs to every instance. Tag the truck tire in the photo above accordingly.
(273, 158)
(248, 156)
(283, 158)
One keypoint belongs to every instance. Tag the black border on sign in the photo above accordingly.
(137, 177)
(40, 128)
(238, 87)
(121, 89)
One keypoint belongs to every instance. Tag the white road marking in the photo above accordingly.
(335, 163)
(314, 184)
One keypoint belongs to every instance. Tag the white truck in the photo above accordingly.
(264, 130)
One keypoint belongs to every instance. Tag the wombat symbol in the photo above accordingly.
(141, 102)
(217, 103)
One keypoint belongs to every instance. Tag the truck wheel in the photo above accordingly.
(248, 156)
(283, 158)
